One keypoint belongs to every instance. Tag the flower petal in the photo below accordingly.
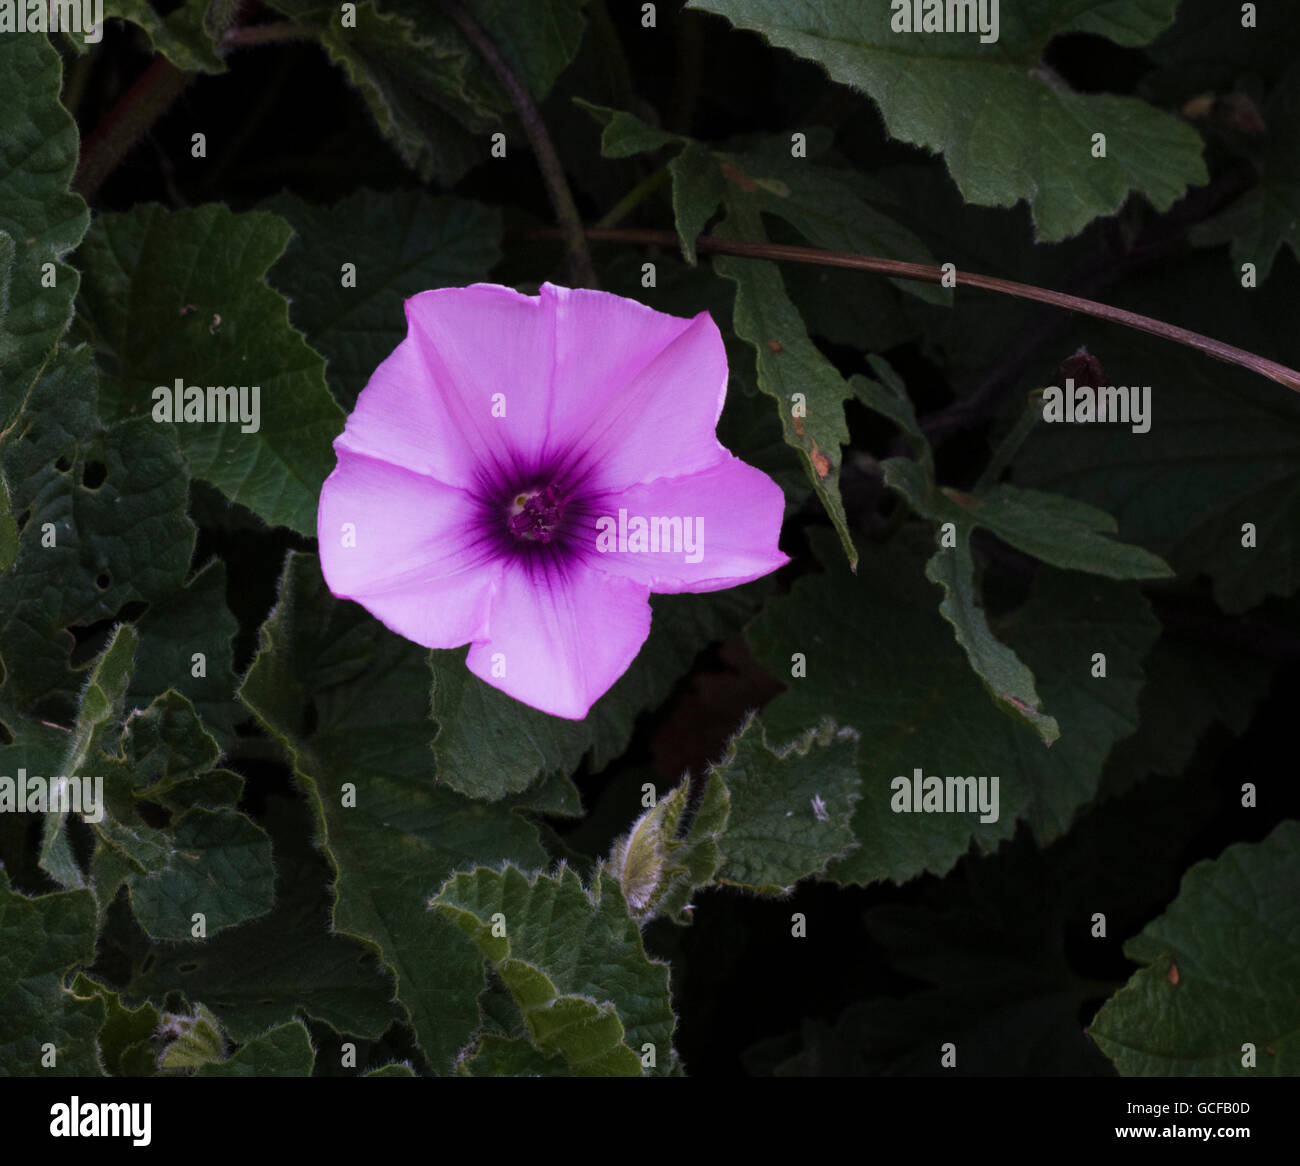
(637, 393)
(727, 518)
(561, 638)
(467, 391)
(408, 548)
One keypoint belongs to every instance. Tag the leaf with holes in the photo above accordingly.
(180, 297)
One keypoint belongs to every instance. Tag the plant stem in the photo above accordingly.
(1010, 444)
(581, 272)
(898, 269)
(265, 34)
(148, 99)
(633, 198)
(127, 122)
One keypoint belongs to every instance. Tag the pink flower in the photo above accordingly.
(522, 472)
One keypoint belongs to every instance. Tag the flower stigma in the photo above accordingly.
(535, 514)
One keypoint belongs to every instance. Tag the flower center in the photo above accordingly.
(535, 514)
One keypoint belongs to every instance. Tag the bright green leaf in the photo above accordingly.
(573, 961)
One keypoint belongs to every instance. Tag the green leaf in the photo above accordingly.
(126, 1040)
(698, 185)
(432, 94)
(790, 808)
(1058, 530)
(764, 317)
(350, 701)
(556, 796)
(659, 865)
(831, 208)
(573, 961)
(40, 939)
(396, 1069)
(401, 242)
(183, 36)
(218, 864)
(626, 134)
(213, 862)
(1190, 688)
(933, 714)
(499, 1056)
(1009, 127)
(85, 551)
(489, 745)
(1003, 672)
(40, 220)
(192, 620)
(1055, 529)
(1221, 965)
(100, 711)
(182, 296)
(1267, 216)
(285, 1051)
(536, 40)
(262, 973)
(1224, 444)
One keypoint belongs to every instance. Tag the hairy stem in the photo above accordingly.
(149, 97)
(266, 34)
(925, 273)
(581, 272)
(127, 122)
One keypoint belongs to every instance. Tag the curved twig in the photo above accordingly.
(557, 186)
(925, 273)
